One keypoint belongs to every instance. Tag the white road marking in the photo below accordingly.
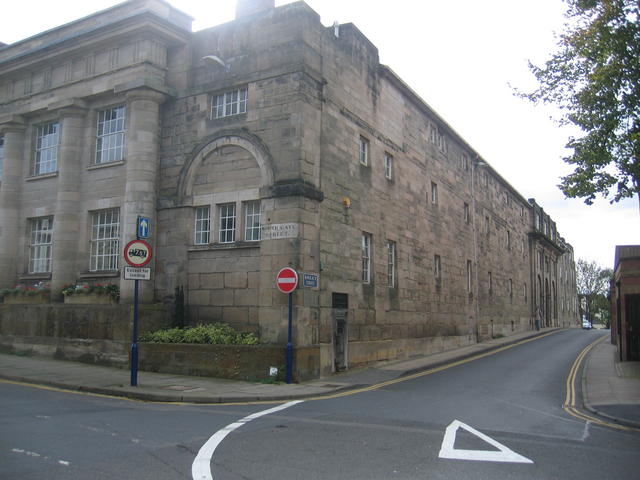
(201, 467)
(449, 451)
(37, 455)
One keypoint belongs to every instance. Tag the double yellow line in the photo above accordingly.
(570, 402)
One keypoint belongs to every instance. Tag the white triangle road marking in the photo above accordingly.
(448, 450)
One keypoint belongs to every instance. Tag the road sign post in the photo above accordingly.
(287, 281)
(137, 253)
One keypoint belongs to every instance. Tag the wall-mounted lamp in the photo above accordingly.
(213, 60)
(346, 201)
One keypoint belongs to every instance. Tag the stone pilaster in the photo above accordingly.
(66, 221)
(142, 143)
(10, 188)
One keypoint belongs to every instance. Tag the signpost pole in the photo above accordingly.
(289, 353)
(137, 253)
(134, 339)
(287, 282)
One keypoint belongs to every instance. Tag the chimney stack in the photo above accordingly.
(244, 8)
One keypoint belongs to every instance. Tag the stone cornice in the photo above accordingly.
(535, 235)
(12, 123)
(145, 22)
(143, 89)
(296, 188)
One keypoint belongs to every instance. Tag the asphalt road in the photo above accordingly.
(503, 414)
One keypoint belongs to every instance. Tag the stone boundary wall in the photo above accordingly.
(103, 322)
(102, 336)
(367, 353)
(99, 335)
(236, 362)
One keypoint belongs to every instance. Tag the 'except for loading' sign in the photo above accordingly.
(287, 280)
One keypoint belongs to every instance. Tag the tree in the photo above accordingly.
(594, 78)
(601, 309)
(592, 282)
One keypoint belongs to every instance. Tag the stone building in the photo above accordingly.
(265, 142)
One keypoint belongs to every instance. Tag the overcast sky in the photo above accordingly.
(463, 58)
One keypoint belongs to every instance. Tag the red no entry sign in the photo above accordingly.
(287, 280)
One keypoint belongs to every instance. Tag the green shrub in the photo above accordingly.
(213, 334)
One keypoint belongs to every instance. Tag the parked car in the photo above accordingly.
(586, 324)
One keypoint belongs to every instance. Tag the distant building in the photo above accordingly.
(625, 302)
(265, 142)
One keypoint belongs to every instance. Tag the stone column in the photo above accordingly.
(142, 146)
(66, 221)
(10, 190)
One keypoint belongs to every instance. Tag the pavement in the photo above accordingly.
(611, 389)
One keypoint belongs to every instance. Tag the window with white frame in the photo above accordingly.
(442, 143)
(110, 135)
(438, 138)
(364, 151)
(467, 213)
(388, 166)
(252, 221)
(437, 270)
(1, 155)
(40, 245)
(202, 225)
(433, 134)
(46, 148)
(229, 103)
(227, 232)
(434, 193)
(469, 277)
(366, 258)
(464, 160)
(105, 240)
(391, 264)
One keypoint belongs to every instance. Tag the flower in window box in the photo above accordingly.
(87, 293)
(20, 293)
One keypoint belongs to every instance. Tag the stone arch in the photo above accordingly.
(539, 300)
(237, 138)
(547, 303)
(554, 299)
